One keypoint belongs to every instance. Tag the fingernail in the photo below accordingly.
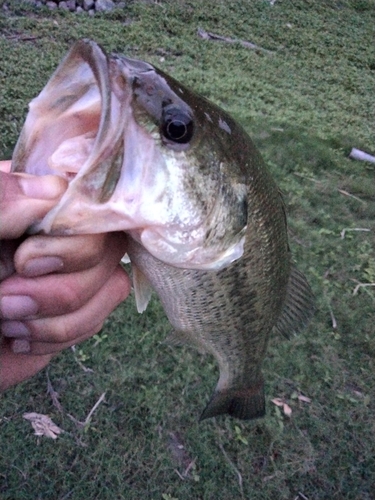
(21, 347)
(42, 265)
(47, 187)
(17, 306)
(15, 329)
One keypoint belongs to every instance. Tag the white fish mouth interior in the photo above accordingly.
(73, 152)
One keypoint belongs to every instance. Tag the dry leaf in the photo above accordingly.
(287, 410)
(277, 401)
(305, 399)
(43, 425)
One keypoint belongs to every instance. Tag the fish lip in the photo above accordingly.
(133, 65)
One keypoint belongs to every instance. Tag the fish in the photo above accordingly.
(205, 220)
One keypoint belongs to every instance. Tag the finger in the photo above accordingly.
(24, 199)
(7, 250)
(55, 294)
(51, 335)
(5, 165)
(40, 254)
(14, 368)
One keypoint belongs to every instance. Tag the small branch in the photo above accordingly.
(302, 496)
(54, 395)
(362, 285)
(93, 409)
(306, 177)
(357, 154)
(233, 467)
(206, 35)
(333, 319)
(91, 412)
(84, 368)
(180, 455)
(345, 193)
(346, 229)
(22, 38)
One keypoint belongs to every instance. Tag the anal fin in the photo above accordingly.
(245, 403)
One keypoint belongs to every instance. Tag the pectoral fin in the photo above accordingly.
(142, 289)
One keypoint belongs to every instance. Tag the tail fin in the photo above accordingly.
(240, 403)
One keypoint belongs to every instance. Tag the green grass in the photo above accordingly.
(305, 105)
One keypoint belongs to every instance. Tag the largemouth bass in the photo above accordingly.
(206, 222)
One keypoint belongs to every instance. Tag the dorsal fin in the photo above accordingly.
(298, 307)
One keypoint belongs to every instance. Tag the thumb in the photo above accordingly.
(24, 199)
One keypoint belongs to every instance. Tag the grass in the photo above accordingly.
(305, 105)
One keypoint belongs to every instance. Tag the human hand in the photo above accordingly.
(56, 291)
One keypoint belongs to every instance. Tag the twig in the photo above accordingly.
(23, 38)
(362, 285)
(333, 319)
(67, 495)
(91, 412)
(93, 409)
(357, 154)
(179, 475)
(185, 474)
(54, 395)
(306, 177)
(190, 466)
(23, 474)
(342, 191)
(346, 229)
(180, 454)
(206, 35)
(84, 368)
(233, 467)
(302, 496)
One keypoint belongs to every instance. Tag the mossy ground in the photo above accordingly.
(305, 104)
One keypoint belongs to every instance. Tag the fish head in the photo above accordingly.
(142, 154)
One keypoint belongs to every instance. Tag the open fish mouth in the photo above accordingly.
(66, 119)
(122, 134)
(75, 129)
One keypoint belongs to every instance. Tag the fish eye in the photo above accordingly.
(177, 125)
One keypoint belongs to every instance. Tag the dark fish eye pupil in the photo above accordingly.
(176, 130)
(177, 127)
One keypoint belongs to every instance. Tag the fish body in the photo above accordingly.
(206, 222)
